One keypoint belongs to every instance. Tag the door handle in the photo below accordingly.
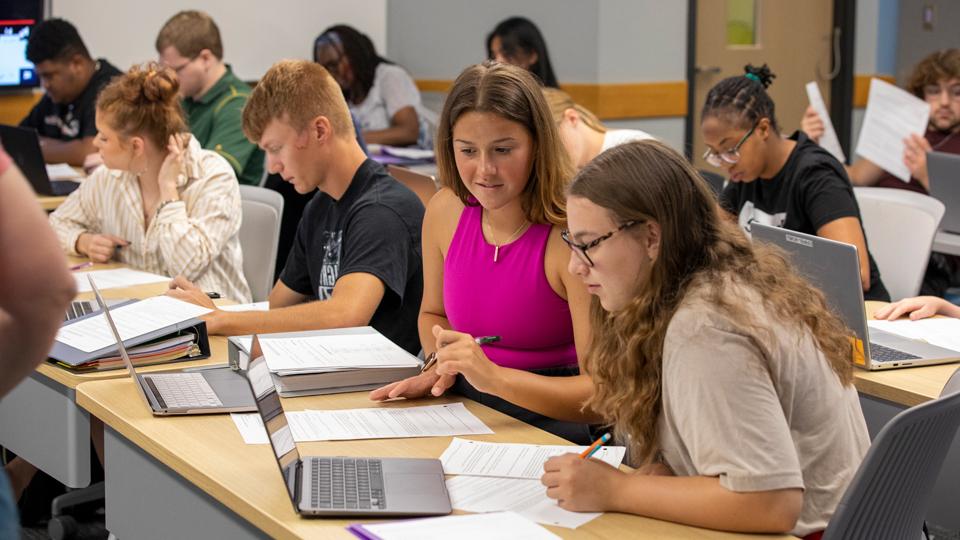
(706, 69)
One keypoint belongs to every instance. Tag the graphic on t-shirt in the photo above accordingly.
(330, 267)
(750, 214)
(69, 126)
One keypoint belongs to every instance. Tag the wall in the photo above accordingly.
(255, 33)
(875, 47)
(916, 42)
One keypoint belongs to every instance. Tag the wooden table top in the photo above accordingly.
(51, 202)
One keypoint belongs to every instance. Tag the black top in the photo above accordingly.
(375, 229)
(74, 120)
(811, 190)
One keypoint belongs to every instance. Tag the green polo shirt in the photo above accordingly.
(216, 120)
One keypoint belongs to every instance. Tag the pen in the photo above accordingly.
(81, 266)
(432, 357)
(592, 449)
(213, 295)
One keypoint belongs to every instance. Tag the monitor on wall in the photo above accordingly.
(17, 20)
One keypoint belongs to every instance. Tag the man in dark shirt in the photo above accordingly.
(72, 79)
(356, 258)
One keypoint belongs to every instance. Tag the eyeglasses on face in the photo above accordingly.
(581, 249)
(731, 156)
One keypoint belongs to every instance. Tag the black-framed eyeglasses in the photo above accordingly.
(730, 156)
(581, 249)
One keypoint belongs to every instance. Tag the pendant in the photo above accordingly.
(496, 253)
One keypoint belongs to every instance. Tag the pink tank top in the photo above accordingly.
(510, 298)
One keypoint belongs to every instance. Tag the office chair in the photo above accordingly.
(889, 496)
(259, 236)
(423, 185)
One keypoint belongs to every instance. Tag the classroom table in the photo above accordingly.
(194, 477)
(39, 419)
(945, 242)
(51, 202)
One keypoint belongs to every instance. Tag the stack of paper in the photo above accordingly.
(940, 331)
(500, 525)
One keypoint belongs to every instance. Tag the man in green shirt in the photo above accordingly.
(213, 97)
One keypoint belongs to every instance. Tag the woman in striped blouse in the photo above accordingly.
(160, 203)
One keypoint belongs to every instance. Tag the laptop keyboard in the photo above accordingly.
(79, 309)
(347, 483)
(879, 353)
(183, 390)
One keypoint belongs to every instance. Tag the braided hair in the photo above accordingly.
(360, 52)
(743, 98)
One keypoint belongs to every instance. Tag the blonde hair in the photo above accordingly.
(296, 91)
(559, 101)
(143, 101)
(699, 249)
(190, 32)
(513, 94)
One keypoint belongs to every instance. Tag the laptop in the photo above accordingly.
(943, 171)
(345, 486)
(82, 308)
(23, 145)
(198, 392)
(834, 268)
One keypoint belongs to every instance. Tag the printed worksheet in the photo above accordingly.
(477, 458)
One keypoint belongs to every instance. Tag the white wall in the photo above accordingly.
(255, 33)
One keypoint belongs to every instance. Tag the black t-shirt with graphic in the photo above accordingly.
(811, 190)
(74, 120)
(375, 229)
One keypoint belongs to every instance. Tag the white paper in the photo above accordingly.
(941, 331)
(892, 115)
(256, 306)
(477, 458)
(375, 423)
(499, 525)
(526, 497)
(407, 153)
(342, 351)
(132, 320)
(828, 140)
(112, 279)
(62, 171)
(250, 426)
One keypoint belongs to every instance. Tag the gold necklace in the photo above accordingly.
(496, 245)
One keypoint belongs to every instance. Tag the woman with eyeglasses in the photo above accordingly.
(726, 374)
(494, 263)
(784, 182)
(382, 96)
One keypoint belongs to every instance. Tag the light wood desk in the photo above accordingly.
(51, 202)
(193, 477)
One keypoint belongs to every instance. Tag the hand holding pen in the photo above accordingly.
(460, 354)
(581, 484)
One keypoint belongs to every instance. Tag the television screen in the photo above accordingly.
(17, 19)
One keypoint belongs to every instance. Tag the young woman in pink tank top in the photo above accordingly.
(494, 262)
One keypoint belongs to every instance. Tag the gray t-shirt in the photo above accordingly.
(760, 412)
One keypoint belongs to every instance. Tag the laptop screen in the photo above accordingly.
(275, 421)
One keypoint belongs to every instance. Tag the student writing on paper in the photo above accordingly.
(37, 290)
(518, 41)
(935, 79)
(160, 203)
(213, 97)
(582, 133)
(725, 371)
(783, 182)
(494, 262)
(381, 94)
(71, 79)
(356, 258)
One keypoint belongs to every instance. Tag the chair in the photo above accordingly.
(900, 226)
(953, 384)
(889, 495)
(423, 185)
(259, 235)
(714, 180)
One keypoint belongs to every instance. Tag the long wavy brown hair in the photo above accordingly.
(699, 250)
(514, 94)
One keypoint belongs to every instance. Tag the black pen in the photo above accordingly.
(213, 295)
(432, 357)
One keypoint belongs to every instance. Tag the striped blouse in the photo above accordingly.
(196, 236)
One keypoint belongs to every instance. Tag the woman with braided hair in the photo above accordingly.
(784, 182)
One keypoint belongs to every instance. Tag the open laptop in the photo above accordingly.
(23, 145)
(345, 486)
(943, 172)
(200, 392)
(834, 268)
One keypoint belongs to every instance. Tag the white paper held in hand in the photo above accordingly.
(828, 140)
(892, 115)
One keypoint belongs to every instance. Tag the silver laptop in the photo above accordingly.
(346, 486)
(202, 392)
(834, 268)
(943, 172)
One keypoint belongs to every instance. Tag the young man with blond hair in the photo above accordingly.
(356, 259)
(213, 97)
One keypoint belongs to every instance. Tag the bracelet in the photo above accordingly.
(164, 203)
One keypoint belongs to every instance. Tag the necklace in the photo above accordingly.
(496, 245)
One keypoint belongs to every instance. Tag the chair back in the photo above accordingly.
(889, 495)
(423, 185)
(259, 235)
(899, 226)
